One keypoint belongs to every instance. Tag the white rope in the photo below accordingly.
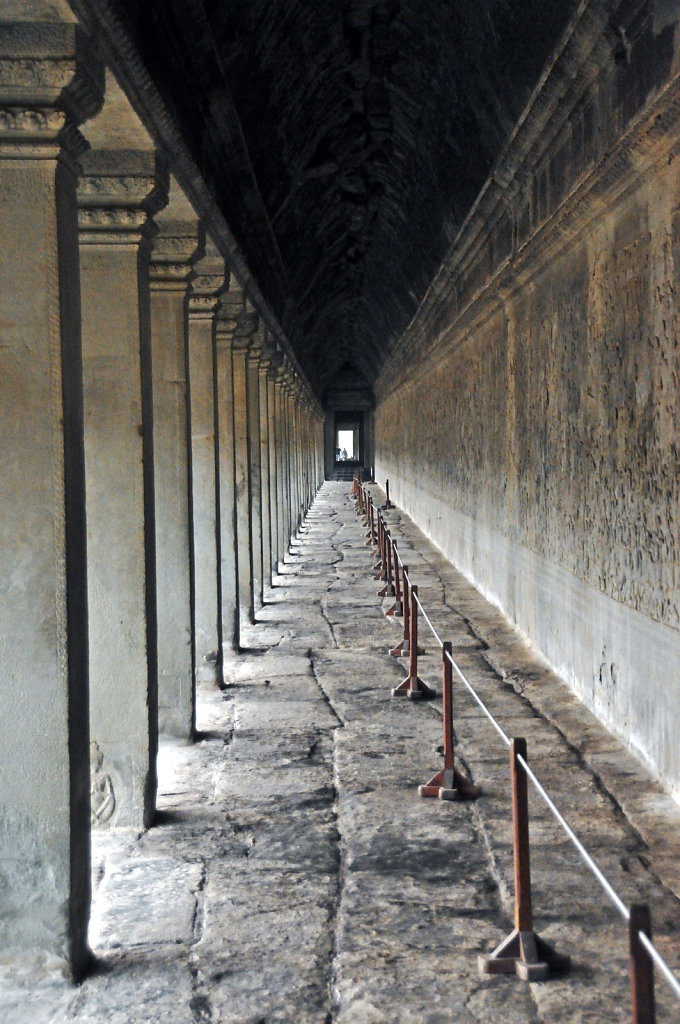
(427, 620)
(623, 910)
(479, 700)
(660, 962)
(583, 853)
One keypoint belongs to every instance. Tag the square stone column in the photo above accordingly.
(229, 309)
(274, 479)
(255, 467)
(48, 84)
(120, 191)
(290, 456)
(265, 468)
(210, 282)
(244, 332)
(282, 465)
(176, 247)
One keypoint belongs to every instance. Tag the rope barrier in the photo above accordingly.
(659, 961)
(480, 702)
(424, 614)
(526, 966)
(583, 853)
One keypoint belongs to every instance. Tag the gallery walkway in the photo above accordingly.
(294, 876)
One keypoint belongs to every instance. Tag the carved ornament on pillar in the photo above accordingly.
(244, 332)
(268, 356)
(51, 80)
(230, 308)
(275, 367)
(211, 280)
(118, 195)
(176, 248)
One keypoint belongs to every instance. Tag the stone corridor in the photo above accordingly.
(294, 876)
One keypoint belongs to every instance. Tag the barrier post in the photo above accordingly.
(397, 608)
(388, 589)
(371, 525)
(449, 783)
(523, 951)
(382, 564)
(401, 650)
(641, 967)
(378, 564)
(388, 503)
(364, 491)
(412, 686)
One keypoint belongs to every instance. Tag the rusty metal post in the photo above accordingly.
(370, 531)
(449, 783)
(641, 967)
(388, 589)
(381, 527)
(413, 687)
(397, 608)
(365, 500)
(401, 650)
(523, 951)
(382, 566)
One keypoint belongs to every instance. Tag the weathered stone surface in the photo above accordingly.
(529, 422)
(294, 874)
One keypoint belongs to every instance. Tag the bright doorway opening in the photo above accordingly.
(346, 445)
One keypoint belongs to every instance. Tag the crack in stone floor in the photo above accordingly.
(295, 877)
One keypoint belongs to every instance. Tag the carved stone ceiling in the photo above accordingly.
(345, 141)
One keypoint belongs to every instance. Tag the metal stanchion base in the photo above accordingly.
(399, 651)
(386, 591)
(396, 610)
(529, 956)
(450, 784)
(414, 688)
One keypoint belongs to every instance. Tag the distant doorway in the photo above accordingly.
(349, 443)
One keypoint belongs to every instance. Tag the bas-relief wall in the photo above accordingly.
(539, 451)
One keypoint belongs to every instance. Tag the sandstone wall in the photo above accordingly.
(537, 444)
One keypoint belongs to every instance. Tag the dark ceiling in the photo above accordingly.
(345, 141)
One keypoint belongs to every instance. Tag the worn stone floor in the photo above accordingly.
(294, 875)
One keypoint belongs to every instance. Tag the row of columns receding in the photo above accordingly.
(161, 448)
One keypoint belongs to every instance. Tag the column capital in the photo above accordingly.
(258, 348)
(247, 322)
(229, 321)
(125, 181)
(176, 247)
(118, 195)
(211, 280)
(51, 80)
(180, 241)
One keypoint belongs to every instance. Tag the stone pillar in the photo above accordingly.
(304, 430)
(281, 483)
(231, 306)
(177, 245)
(255, 467)
(329, 445)
(242, 339)
(274, 480)
(120, 190)
(210, 281)
(48, 84)
(265, 468)
(297, 459)
(287, 465)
